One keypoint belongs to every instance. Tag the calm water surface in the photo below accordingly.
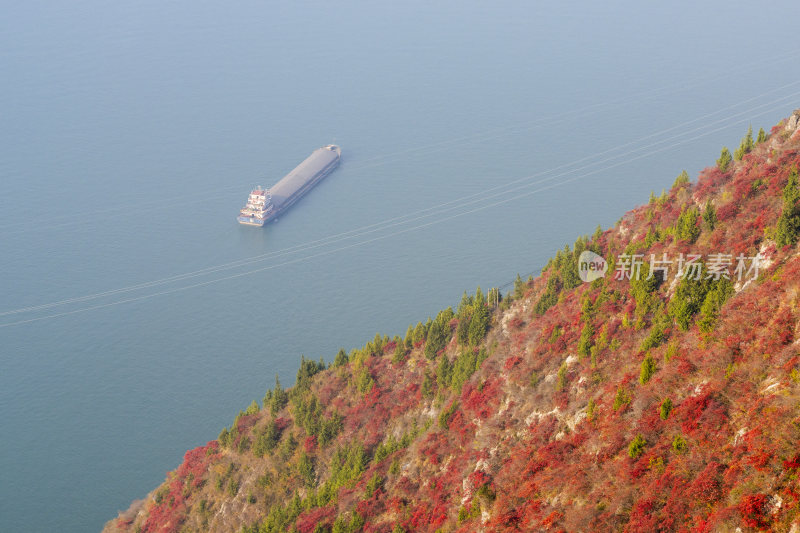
(132, 133)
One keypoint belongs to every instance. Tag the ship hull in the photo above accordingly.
(298, 182)
(248, 221)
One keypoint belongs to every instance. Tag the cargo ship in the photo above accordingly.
(264, 205)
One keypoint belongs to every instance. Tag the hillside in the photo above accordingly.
(663, 403)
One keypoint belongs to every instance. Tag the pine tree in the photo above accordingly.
(762, 136)
(341, 358)
(745, 146)
(681, 180)
(648, 369)
(665, 409)
(439, 333)
(479, 324)
(279, 397)
(788, 225)
(419, 333)
(519, 287)
(585, 342)
(686, 227)
(710, 216)
(399, 353)
(465, 306)
(724, 160)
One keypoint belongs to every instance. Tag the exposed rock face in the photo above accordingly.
(794, 121)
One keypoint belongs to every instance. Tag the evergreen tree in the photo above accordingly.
(427, 386)
(762, 136)
(252, 408)
(681, 180)
(689, 298)
(439, 333)
(745, 146)
(443, 373)
(419, 333)
(279, 398)
(724, 160)
(409, 339)
(713, 302)
(648, 369)
(585, 342)
(341, 358)
(686, 227)
(665, 408)
(710, 216)
(465, 306)
(306, 371)
(788, 225)
(596, 236)
(462, 330)
(399, 353)
(377, 342)
(519, 287)
(479, 324)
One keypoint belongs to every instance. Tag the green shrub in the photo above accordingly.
(590, 410)
(561, 382)
(647, 370)
(233, 488)
(622, 398)
(665, 409)
(679, 445)
(636, 447)
(446, 414)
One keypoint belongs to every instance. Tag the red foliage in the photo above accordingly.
(643, 517)
(480, 400)
(322, 517)
(245, 422)
(310, 444)
(707, 486)
(791, 464)
(728, 211)
(515, 322)
(754, 510)
(759, 460)
(512, 361)
(167, 515)
(478, 478)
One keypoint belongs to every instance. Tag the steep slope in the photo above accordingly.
(654, 404)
